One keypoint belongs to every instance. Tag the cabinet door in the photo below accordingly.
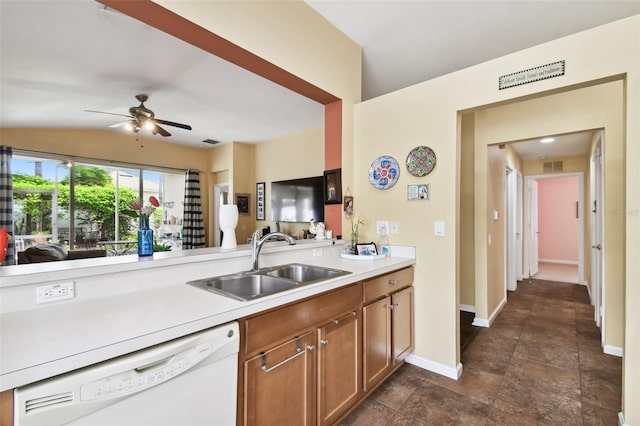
(377, 341)
(339, 367)
(402, 324)
(279, 387)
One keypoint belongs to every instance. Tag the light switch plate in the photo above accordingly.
(438, 228)
(394, 228)
(382, 227)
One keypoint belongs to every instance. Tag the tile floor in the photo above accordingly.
(557, 272)
(540, 363)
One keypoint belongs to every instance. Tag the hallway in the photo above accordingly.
(540, 363)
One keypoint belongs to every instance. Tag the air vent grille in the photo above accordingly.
(552, 167)
(36, 404)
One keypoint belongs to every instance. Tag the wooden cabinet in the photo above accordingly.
(387, 324)
(302, 362)
(339, 367)
(6, 407)
(280, 384)
(312, 361)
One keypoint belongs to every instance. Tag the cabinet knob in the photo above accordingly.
(324, 342)
(393, 282)
(311, 348)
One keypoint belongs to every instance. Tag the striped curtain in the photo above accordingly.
(6, 201)
(192, 226)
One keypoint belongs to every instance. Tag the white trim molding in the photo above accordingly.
(621, 419)
(443, 370)
(613, 350)
(467, 308)
(559, 262)
(479, 322)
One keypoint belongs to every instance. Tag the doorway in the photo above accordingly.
(555, 223)
(513, 231)
(596, 231)
(220, 197)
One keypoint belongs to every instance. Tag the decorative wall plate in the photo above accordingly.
(384, 172)
(421, 161)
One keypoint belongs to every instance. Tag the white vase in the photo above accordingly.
(228, 220)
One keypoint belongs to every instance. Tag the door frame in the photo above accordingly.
(527, 217)
(510, 233)
(218, 190)
(597, 230)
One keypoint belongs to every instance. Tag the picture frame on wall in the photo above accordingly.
(333, 186)
(242, 201)
(260, 204)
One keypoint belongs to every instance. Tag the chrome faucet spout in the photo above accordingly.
(257, 243)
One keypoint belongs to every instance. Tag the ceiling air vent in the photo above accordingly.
(211, 141)
(48, 401)
(552, 167)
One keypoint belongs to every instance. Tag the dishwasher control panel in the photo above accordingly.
(144, 377)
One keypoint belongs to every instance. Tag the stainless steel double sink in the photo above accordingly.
(255, 284)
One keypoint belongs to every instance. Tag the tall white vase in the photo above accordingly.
(228, 221)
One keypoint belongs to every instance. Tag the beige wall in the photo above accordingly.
(427, 113)
(466, 238)
(296, 156)
(598, 106)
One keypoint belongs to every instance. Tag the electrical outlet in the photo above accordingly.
(382, 227)
(317, 252)
(55, 292)
(394, 228)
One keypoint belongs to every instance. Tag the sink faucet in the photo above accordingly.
(257, 243)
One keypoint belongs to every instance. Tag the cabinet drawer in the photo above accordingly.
(377, 287)
(272, 327)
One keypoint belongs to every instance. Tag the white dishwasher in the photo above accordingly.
(188, 381)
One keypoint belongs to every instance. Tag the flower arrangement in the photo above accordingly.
(146, 210)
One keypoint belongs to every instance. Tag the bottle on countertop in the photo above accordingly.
(382, 244)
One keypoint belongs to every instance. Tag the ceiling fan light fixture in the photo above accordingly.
(149, 125)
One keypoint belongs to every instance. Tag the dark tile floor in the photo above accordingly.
(540, 363)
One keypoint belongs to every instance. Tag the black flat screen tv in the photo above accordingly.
(298, 200)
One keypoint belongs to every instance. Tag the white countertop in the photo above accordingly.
(126, 305)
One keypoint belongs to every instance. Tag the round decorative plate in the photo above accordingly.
(421, 161)
(384, 172)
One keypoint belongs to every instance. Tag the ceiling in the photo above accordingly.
(59, 58)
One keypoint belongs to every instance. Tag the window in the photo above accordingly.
(85, 203)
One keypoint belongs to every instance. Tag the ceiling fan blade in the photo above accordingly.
(110, 113)
(120, 123)
(162, 131)
(171, 123)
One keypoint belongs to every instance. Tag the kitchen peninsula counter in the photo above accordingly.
(124, 304)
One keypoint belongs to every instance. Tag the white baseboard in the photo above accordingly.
(562, 262)
(479, 322)
(468, 308)
(621, 419)
(425, 364)
(613, 350)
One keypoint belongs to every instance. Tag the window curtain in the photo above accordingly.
(6, 201)
(192, 226)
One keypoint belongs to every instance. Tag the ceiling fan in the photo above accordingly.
(142, 117)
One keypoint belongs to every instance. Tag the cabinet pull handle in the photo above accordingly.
(324, 342)
(393, 282)
(299, 352)
(389, 306)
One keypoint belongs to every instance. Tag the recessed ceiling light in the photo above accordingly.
(547, 140)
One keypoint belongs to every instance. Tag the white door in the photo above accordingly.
(533, 228)
(510, 231)
(596, 228)
(519, 207)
